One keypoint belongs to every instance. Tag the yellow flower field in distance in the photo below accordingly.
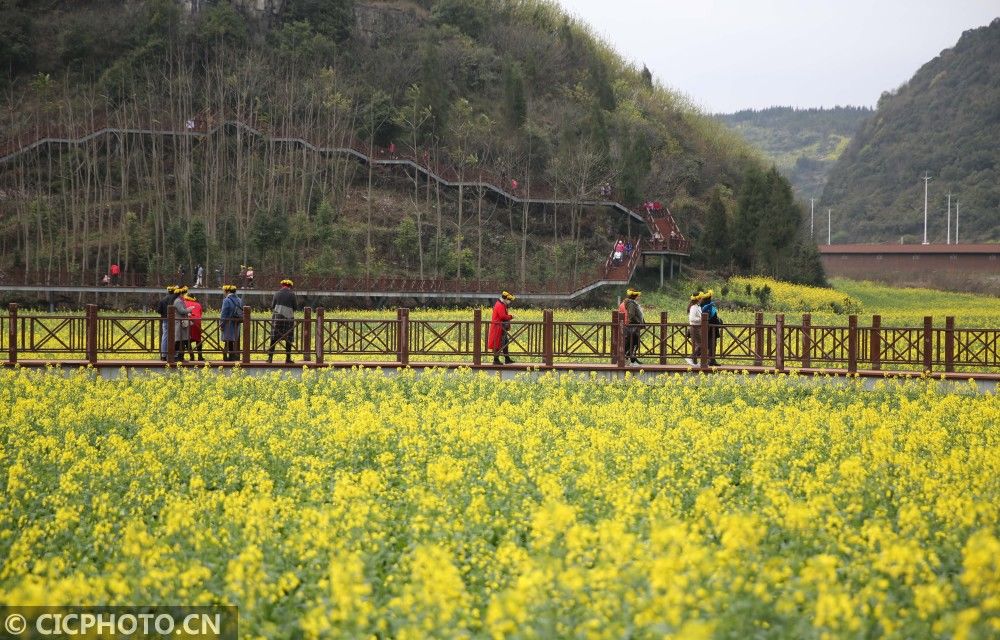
(358, 504)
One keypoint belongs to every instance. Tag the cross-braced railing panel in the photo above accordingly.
(211, 335)
(65, 335)
(442, 338)
(792, 343)
(526, 338)
(128, 335)
(668, 341)
(901, 345)
(581, 339)
(977, 347)
(360, 337)
(737, 342)
(830, 344)
(265, 330)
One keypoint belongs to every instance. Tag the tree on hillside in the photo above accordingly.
(714, 244)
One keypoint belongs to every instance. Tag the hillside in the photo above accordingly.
(516, 90)
(946, 121)
(803, 143)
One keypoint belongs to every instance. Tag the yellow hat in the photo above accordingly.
(632, 293)
(507, 295)
(181, 290)
(696, 296)
(707, 294)
(287, 283)
(229, 288)
(171, 288)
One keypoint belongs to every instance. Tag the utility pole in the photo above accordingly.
(956, 220)
(828, 226)
(949, 220)
(927, 179)
(812, 218)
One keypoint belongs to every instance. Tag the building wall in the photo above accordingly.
(971, 272)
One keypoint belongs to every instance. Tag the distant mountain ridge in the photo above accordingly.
(946, 121)
(803, 143)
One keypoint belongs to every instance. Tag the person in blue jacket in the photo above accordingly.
(231, 321)
(709, 309)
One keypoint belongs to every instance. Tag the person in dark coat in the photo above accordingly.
(283, 320)
(161, 308)
(231, 321)
(633, 325)
(715, 325)
(499, 339)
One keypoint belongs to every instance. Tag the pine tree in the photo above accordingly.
(714, 243)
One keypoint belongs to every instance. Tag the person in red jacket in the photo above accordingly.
(499, 338)
(195, 329)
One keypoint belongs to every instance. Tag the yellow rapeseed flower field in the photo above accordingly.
(359, 504)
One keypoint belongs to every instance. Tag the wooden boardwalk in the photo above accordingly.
(323, 339)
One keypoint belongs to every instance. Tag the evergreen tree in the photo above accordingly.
(714, 242)
(780, 219)
(749, 212)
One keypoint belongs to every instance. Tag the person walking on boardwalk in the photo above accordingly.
(499, 338)
(194, 331)
(694, 327)
(633, 325)
(161, 308)
(199, 277)
(714, 332)
(283, 320)
(231, 321)
(182, 323)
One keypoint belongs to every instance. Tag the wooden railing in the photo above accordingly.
(322, 339)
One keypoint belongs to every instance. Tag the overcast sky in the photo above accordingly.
(727, 55)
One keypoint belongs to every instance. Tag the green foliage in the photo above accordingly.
(331, 18)
(766, 234)
(944, 120)
(515, 103)
(16, 52)
(299, 43)
(222, 24)
(468, 16)
(713, 246)
(197, 242)
(405, 242)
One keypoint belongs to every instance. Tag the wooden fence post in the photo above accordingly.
(705, 337)
(477, 337)
(171, 334)
(779, 342)
(245, 347)
(758, 338)
(547, 338)
(320, 336)
(806, 339)
(91, 335)
(928, 343)
(852, 343)
(403, 336)
(12, 333)
(876, 342)
(619, 338)
(663, 337)
(307, 333)
(614, 337)
(949, 344)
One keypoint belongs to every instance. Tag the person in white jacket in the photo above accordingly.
(694, 327)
